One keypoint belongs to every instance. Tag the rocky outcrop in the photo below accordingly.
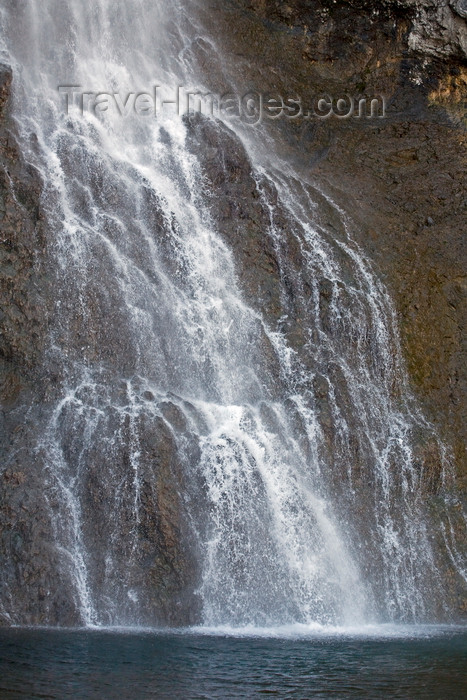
(439, 29)
(435, 27)
(403, 178)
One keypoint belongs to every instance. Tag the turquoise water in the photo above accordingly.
(384, 662)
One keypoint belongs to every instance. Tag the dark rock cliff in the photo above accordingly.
(34, 585)
(403, 178)
(25, 531)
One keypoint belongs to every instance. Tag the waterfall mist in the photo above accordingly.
(224, 442)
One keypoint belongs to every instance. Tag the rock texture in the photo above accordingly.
(436, 27)
(439, 29)
(25, 529)
(35, 580)
(275, 274)
(403, 177)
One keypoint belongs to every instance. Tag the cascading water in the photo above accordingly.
(257, 465)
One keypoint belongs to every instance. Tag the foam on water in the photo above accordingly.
(317, 631)
(293, 632)
(289, 542)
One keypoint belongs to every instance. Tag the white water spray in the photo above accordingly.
(152, 322)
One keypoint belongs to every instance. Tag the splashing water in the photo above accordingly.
(290, 436)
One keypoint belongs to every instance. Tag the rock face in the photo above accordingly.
(439, 29)
(402, 177)
(436, 27)
(35, 586)
(27, 561)
(271, 272)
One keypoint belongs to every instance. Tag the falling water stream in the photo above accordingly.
(295, 455)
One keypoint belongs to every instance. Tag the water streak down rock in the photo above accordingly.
(206, 410)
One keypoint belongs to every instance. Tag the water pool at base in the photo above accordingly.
(369, 662)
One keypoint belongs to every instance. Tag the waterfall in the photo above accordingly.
(220, 445)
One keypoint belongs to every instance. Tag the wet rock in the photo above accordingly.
(398, 176)
(30, 582)
(237, 209)
(402, 177)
